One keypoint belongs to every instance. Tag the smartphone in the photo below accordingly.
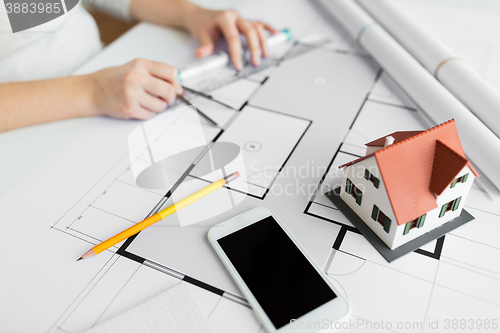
(285, 288)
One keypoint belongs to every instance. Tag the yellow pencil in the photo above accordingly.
(158, 216)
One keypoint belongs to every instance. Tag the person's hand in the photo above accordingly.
(207, 26)
(136, 90)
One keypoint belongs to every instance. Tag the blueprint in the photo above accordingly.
(295, 120)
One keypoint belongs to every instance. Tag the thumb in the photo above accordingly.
(207, 45)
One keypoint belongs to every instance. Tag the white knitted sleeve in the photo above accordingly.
(119, 8)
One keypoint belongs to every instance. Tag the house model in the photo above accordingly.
(409, 183)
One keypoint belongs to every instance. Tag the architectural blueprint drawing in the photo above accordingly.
(295, 121)
(174, 310)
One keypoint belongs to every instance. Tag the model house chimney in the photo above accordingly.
(389, 140)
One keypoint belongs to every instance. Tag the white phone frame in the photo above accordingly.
(328, 312)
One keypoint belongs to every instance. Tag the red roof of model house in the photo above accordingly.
(417, 165)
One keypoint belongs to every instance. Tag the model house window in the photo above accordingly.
(372, 178)
(416, 223)
(354, 191)
(452, 205)
(381, 218)
(462, 179)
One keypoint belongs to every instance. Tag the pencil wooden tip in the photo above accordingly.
(90, 253)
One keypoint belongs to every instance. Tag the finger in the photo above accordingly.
(160, 88)
(269, 28)
(252, 40)
(152, 103)
(232, 37)
(262, 38)
(167, 73)
(142, 114)
(207, 44)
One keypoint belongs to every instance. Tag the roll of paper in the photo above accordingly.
(454, 73)
(480, 144)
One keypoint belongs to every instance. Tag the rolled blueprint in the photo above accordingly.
(454, 73)
(481, 145)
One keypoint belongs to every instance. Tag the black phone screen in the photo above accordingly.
(276, 272)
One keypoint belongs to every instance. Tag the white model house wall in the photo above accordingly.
(432, 219)
(371, 196)
(371, 149)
